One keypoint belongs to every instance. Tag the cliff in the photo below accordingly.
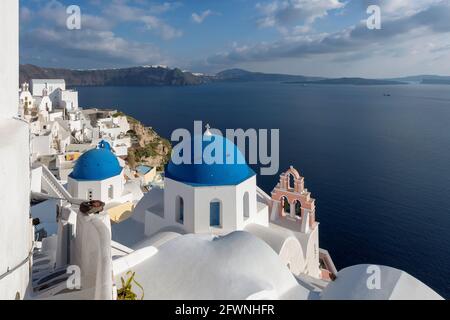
(148, 147)
(136, 76)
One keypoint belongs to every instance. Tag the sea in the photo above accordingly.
(375, 158)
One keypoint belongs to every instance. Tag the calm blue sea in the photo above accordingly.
(378, 166)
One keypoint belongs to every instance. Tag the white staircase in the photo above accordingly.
(54, 188)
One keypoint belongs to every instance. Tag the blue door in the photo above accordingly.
(214, 212)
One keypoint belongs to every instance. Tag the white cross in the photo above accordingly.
(207, 132)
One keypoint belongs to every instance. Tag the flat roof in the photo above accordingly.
(48, 81)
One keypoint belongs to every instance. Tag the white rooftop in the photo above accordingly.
(394, 284)
(235, 266)
(43, 81)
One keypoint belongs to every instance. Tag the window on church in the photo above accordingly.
(214, 213)
(111, 192)
(246, 206)
(179, 209)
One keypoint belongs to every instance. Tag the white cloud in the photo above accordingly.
(123, 12)
(199, 18)
(405, 7)
(401, 8)
(352, 45)
(96, 43)
(164, 7)
(298, 13)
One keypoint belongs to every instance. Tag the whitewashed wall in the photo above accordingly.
(79, 189)
(9, 57)
(15, 227)
(197, 207)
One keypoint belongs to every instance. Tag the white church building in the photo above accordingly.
(220, 198)
(97, 175)
(210, 198)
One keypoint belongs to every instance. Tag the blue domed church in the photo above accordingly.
(209, 196)
(97, 175)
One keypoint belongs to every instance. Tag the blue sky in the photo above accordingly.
(311, 37)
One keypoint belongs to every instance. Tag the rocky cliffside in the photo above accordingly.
(137, 76)
(148, 147)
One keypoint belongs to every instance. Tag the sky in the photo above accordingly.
(327, 38)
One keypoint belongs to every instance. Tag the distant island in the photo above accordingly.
(239, 75)
(165, 76)
(350, 81)
(436, 81)
(424, 79)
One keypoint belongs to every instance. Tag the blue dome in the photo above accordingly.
(215, 174)
(97, 164)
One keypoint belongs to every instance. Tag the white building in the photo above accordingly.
(16, 232)
(113, 127)
(56, 91)
(41, 87)
(66, 99)
(48, 138)
(43, 103)
(217, 198)
(26, 100)
(97, 175)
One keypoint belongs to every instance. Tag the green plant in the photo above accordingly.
(126, 293)
(131, 159)
(118, 114)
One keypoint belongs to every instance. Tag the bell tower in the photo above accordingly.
(292, 202)
(293, 208)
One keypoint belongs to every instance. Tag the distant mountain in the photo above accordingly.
(424, 79)
(436, 81)
(164, 76)
(239, 75)
(351, 81)
(137, 76)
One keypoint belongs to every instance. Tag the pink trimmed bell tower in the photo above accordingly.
(292, 202)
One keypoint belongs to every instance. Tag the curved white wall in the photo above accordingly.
(15, 227)
(100, 188)
(197, 206)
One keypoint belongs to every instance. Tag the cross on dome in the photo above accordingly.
(208, 132)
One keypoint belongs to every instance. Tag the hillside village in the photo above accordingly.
(61, 131)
